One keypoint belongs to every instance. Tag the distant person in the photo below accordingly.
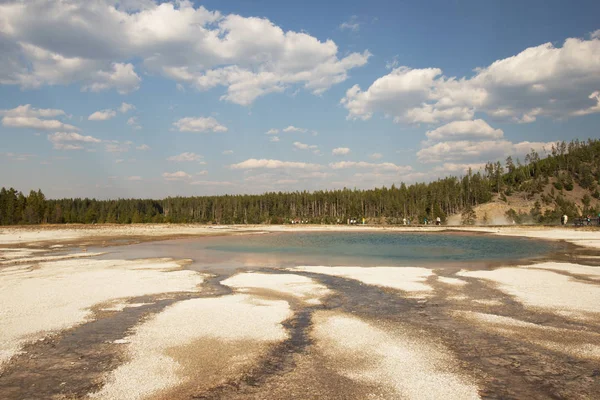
(404, 220)
(565, 219)
(425, 221)
(438, 221)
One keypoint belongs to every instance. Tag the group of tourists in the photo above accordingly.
(587, 220)
(406, 221)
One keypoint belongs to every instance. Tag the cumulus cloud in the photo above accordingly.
(449, 168)
(292, 128)
(352, 24)
(55, 42)
(340, 151)
(133, 122)
(211, 183)
(102, 115)
(595, 96)
(200, 124)
(67, 146)
(539, 81)
(115, 146)
(27, 111)
(126, 107)
(70, 140)
(478, 150)
(185, 157)
(18, 157)
(253, 163)
(477, 129)
(143, 147)
(304, 146)
(376, 156)
(25, 116)
(367, 165)
(176, 176)
(121, 77)
(272, 131)
(72, 137)
(274, 139)
(37, 123)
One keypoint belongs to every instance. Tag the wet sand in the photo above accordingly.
(84, 327)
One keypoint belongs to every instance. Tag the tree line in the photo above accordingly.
(566, 164)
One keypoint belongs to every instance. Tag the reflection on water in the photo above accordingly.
(338, 248)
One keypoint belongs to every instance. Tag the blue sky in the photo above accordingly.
(138, 99)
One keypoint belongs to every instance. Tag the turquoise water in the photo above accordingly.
(389, 246)
(334, 248)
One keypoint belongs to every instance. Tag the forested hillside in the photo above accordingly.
(547, 182)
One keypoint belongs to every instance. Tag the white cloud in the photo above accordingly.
(211, 183)
(316, 174)
(133, 122)
(285, 181)
(27, 111)
(367, 165)
(133, 178)
(67, 146)
(428, 114)
(185, 157)
(200, 124)
(304, 146)
(37, 123)
(376, 156)
(352, 24)
(64, 140)
(340, 151)
(227, 152)
(274, 139)
(292, 128)
(272, 131)
(121, 77)
(393, 94)
(477, 129)
(201, 173)
(539, 81)
(477, 150)
(593, 108)
(143, 147)
(176, 176)
(72, 137)
(274, 164)
(102, 115)
(25, 116)
(57, 43)
(126, 107)
(449, 168)
(393, 63)
(117, 147)
(18, 157)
